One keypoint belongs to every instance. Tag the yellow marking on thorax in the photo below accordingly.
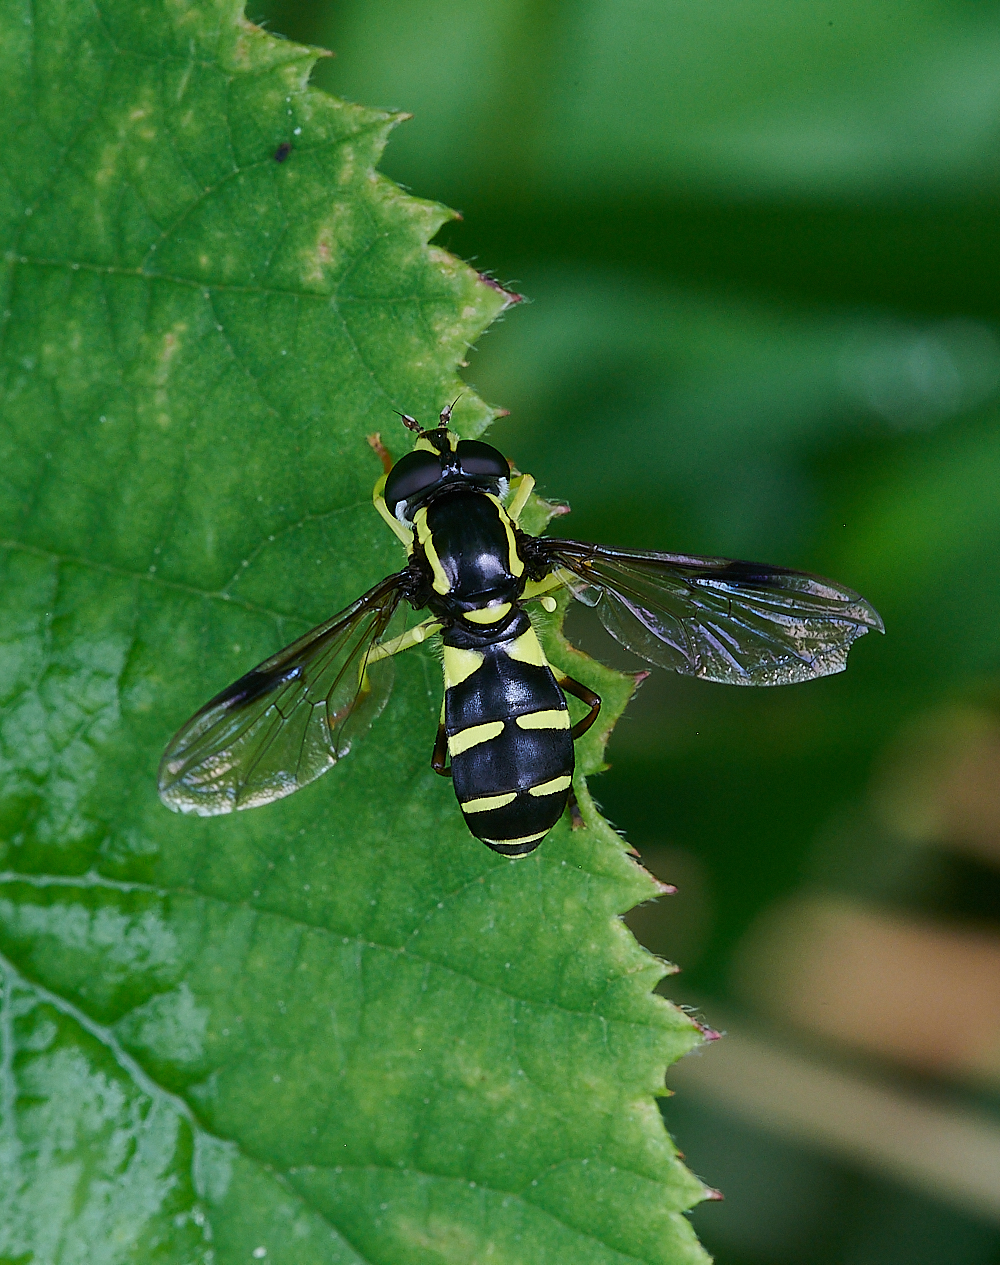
(487, 802)
(515, 562)
(488, 614)
(527, 649)
(534, 587)
(552, 788)
(441, 583)
(544, 720)
(474, 736)
(459, 665)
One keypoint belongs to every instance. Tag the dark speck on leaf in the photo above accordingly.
(282, 152)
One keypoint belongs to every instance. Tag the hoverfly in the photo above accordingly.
(504, 725)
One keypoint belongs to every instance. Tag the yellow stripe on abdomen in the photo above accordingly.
(488, 802)
(544, 720)
(516, 843)
(526, 649)
(466, 739)
(552, 787)
(460, 664)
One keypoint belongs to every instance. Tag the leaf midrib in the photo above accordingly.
(327, 297)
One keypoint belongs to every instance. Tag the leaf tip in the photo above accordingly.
(511, 296)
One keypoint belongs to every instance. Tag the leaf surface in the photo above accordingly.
(337, 1029)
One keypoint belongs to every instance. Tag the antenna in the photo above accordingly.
(446, 411)
(409, 422)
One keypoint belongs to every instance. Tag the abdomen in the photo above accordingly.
(509, 737)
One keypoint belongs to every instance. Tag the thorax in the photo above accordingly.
(470, 547)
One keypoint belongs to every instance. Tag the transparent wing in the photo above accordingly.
(289, 719)
(741, 623)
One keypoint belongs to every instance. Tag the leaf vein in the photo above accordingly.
(216, 595)
(145, 1083)
(93, 879)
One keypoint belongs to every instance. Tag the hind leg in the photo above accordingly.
(585, 695)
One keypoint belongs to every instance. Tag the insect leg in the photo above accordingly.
(439, 760)
(386, 649)
(593, 701)
(520, 496)
(412, 637)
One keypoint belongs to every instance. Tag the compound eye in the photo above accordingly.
(414, 473)
(479, 459)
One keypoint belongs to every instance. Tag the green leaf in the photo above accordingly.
(337, 1029)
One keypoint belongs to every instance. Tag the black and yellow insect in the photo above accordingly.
(504, 721)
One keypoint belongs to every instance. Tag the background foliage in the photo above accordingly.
(338, 1030)
(762, 245)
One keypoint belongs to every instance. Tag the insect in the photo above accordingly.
(505, 725)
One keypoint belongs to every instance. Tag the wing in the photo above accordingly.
(742, 623)
(289, 719)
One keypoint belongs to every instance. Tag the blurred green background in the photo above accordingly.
(760, 239)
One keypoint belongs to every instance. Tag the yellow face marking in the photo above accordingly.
(473, 736)
(488, 614)
(441, 582)
(527, 649)
(513, 843)
(552, 788)
(425, 445)
(515, 563)
(544, 720)
(459, 665)
(487, 802)
(395, 526)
